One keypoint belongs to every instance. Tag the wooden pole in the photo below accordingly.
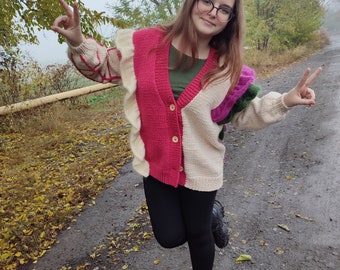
(29, 104)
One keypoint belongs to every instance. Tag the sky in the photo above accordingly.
(50, 51)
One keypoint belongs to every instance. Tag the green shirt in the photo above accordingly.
(181, 77)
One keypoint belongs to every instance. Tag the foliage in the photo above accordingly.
(22, 78)
(21, 19)
(271, 25)
(279, 25)
(51, 164)
(146, 13)
(10, 76)
(267, 63)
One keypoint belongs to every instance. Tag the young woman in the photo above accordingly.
(184, 81)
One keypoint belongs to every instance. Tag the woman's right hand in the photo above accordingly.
(69, 25)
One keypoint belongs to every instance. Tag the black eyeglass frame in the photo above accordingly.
(232, 14)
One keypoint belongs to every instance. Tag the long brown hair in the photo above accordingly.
(228, 44)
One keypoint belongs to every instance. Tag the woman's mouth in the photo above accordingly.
(207, 22)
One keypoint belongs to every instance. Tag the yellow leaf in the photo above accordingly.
(279, 251)
(283, 227)
(18, 254)
(156, 261)
(305, 218)
(289, 177)
(263, 243)
(27, 232)
(147, 236)
(125, 266)
(5, 255)
(42, 253)
(249, 192)
(243, 258)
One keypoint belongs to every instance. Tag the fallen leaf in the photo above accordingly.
(279, 251)
(263, 243)
(283, 227)
(249, 192)
(305, 218)
(244, 258)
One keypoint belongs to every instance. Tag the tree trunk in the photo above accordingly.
(29, 104)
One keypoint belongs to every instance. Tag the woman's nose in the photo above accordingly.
(213, 12)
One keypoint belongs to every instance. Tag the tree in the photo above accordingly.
(279, 24)
(260, 16)
(296, 30)
(146, 13)
(20, 19)
(19, 22)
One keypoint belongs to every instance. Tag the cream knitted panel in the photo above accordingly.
(203, 152)
(125, 45)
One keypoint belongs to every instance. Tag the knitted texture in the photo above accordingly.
(96, 66)
(161, 114)
(175, 141)
(131, 108)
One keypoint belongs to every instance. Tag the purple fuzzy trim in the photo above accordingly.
(221, 111)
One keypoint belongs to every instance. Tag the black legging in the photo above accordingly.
(179, 215)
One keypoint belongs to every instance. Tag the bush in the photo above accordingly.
(22, 78)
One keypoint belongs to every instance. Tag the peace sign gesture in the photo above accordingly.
(70, 23)
(301, 94)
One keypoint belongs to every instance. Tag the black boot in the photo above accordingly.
(219, 230)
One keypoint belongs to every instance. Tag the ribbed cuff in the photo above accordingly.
(83, 47)
(283, 102)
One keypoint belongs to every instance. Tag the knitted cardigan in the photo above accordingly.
(175, 141)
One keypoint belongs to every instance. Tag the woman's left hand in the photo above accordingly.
(301, 94)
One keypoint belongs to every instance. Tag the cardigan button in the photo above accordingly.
(175, 139)
(181, 169)
(172, 107)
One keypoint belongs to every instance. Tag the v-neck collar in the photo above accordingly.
(163, 80)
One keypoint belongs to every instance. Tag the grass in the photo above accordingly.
(52, 162)
(56, 159)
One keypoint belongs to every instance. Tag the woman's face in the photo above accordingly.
(211, 17)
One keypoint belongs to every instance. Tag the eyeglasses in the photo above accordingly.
(223, 14)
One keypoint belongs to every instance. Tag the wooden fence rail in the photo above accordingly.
(29, 104)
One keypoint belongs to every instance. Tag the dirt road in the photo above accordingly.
(281, 194)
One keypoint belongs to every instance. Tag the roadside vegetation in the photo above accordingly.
(56, 159)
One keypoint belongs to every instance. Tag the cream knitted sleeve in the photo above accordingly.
(261, 112)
